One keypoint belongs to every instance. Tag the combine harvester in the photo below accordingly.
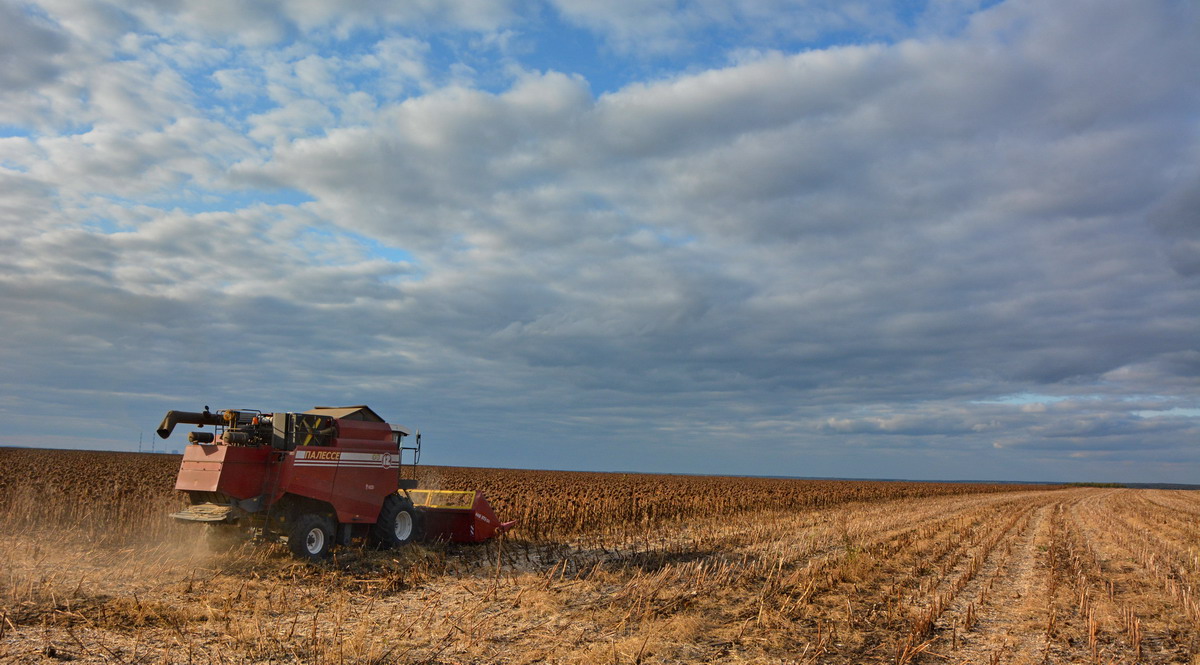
(319, 478)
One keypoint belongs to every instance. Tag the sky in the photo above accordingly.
(828, 238)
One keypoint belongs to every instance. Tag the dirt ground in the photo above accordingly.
(1069, 576)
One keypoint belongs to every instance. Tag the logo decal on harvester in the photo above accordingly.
(339, 459)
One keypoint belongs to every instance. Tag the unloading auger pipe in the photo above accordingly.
(173, 418)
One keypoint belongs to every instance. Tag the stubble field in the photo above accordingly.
(609, 568)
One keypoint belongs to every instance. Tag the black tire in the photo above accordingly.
(311, 536)
(399, 522)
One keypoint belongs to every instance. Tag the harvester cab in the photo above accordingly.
(326, 476)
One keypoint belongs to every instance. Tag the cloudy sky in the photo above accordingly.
(931, 240)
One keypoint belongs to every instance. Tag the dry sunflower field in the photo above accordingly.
(609, 568)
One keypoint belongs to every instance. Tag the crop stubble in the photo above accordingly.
(612, 568)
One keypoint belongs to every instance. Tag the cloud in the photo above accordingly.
(263, 24)
(1177, 220)
(860, 246)
(28, 46)
(656, 27)
(860, 199)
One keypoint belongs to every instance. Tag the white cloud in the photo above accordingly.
(28, 49)
(263, 24)
(237, 83)
(401, 62)
(656, 27)
(856, 246)
(298, 118)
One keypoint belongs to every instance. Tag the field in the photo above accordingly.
(609, 568)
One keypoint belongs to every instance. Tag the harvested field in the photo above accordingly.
(610, 568)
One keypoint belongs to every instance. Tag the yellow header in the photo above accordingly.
(443, 499)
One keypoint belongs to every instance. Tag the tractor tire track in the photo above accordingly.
(999, 617)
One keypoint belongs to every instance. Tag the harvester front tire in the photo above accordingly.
(399, 522)
(311, 536)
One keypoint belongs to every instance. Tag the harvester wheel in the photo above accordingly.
(398, 524)
(311, 536)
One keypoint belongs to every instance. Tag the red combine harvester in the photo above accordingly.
(325, 476)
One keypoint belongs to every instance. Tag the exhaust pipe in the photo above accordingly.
(173, 418)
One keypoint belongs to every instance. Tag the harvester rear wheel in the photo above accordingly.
(311, 536)
(398, 523)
